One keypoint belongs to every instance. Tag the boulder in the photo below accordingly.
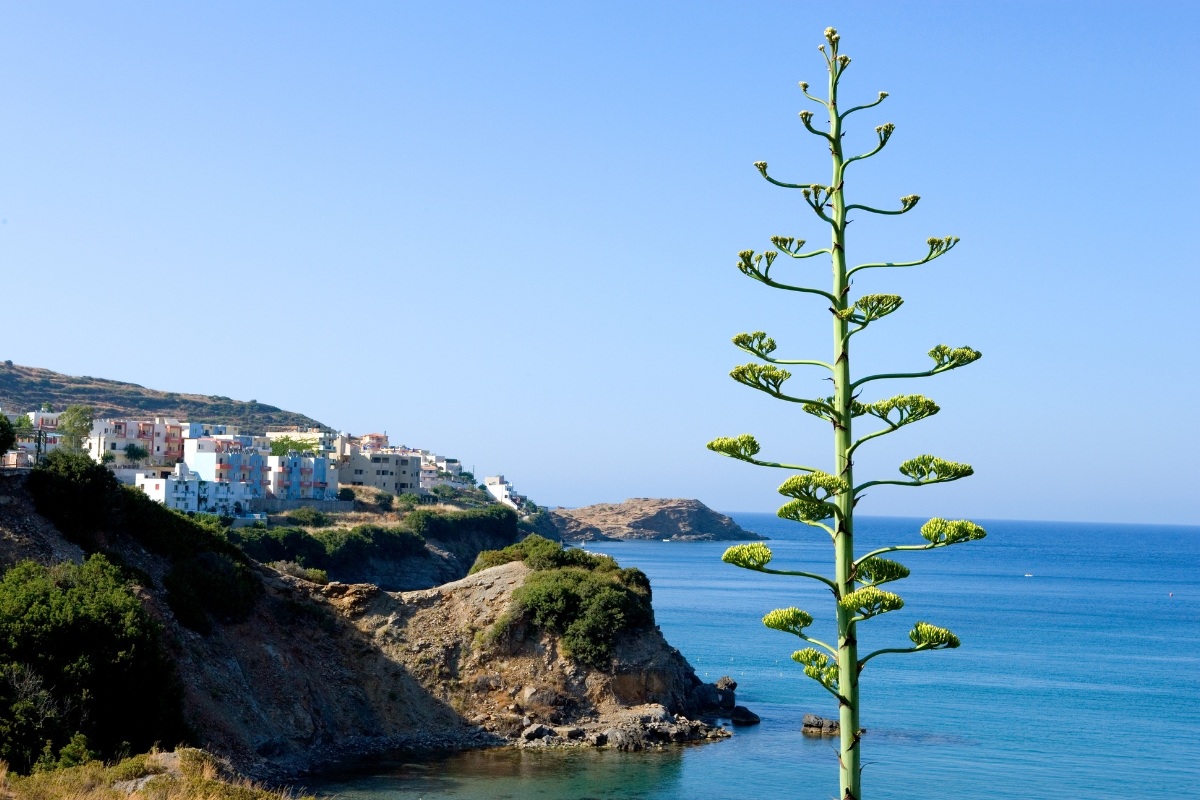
(812, 725)
(536, 732)
(743, 716)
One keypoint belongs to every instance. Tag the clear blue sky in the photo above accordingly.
(507, 231)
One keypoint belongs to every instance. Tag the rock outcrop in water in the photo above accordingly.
(647, 518)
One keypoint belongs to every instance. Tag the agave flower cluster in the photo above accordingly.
(826, 498)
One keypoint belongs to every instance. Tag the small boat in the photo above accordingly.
(1028, 574)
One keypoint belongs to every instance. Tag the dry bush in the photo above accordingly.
(196, 776)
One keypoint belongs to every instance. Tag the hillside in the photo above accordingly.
(27, 388)
(647, 518)
(280, 676)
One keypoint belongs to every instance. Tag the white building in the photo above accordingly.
(44, 436)
(502, 491)
(198, 430)
(184, 490)
(161, 438)
(229, 460)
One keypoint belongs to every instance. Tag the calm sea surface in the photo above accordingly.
(1079, 675)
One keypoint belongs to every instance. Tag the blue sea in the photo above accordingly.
(1078, 677)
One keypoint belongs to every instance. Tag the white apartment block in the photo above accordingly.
(184, 490)
(229, 460)
(161, 438)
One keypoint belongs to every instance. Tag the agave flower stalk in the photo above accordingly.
(824, 499)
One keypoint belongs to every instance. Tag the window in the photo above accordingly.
(375, 460)
(113, 447)
(358, 472)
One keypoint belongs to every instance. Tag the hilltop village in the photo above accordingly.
(220, 469)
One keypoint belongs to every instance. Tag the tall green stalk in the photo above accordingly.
(826, 500)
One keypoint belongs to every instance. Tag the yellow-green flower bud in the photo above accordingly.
(788, 620)
(929, 468)
(931, 637)
(874, 571)
(755, 555)
(744, 447)
(869, 602)
(940, 531)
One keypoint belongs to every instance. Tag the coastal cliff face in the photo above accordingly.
(647, 518)
(315, 675)
(323, 674)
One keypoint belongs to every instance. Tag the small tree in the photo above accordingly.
(286, 444)
(8, 435)
(135, 453)
(75, 425)
(827, 500)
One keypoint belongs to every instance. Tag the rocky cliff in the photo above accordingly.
(321, 674)
(647, 518)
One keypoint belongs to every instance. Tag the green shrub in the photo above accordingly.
(588, 609)
(384, 500)
(309, 517)
(350, 549)
(280, 544)
(586, 598)
(73, 492)
(345, 494)
(335, 550)
(81, 667)
(214, 522)
(541, 553)
(211, 583)
(493, 521)
(296, 571)
(82, 498)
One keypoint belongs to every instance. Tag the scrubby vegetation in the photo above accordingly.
(82, 670)
(587, 599)
(330, 550)
(309, 517)
(297, 571)
(496, 520)
(196, 778)
(208, 574)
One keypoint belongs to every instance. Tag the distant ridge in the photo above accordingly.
(27, 388)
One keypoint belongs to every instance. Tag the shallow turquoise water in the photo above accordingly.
(1081, 681)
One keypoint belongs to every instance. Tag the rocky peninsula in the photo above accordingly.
(647, 518)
